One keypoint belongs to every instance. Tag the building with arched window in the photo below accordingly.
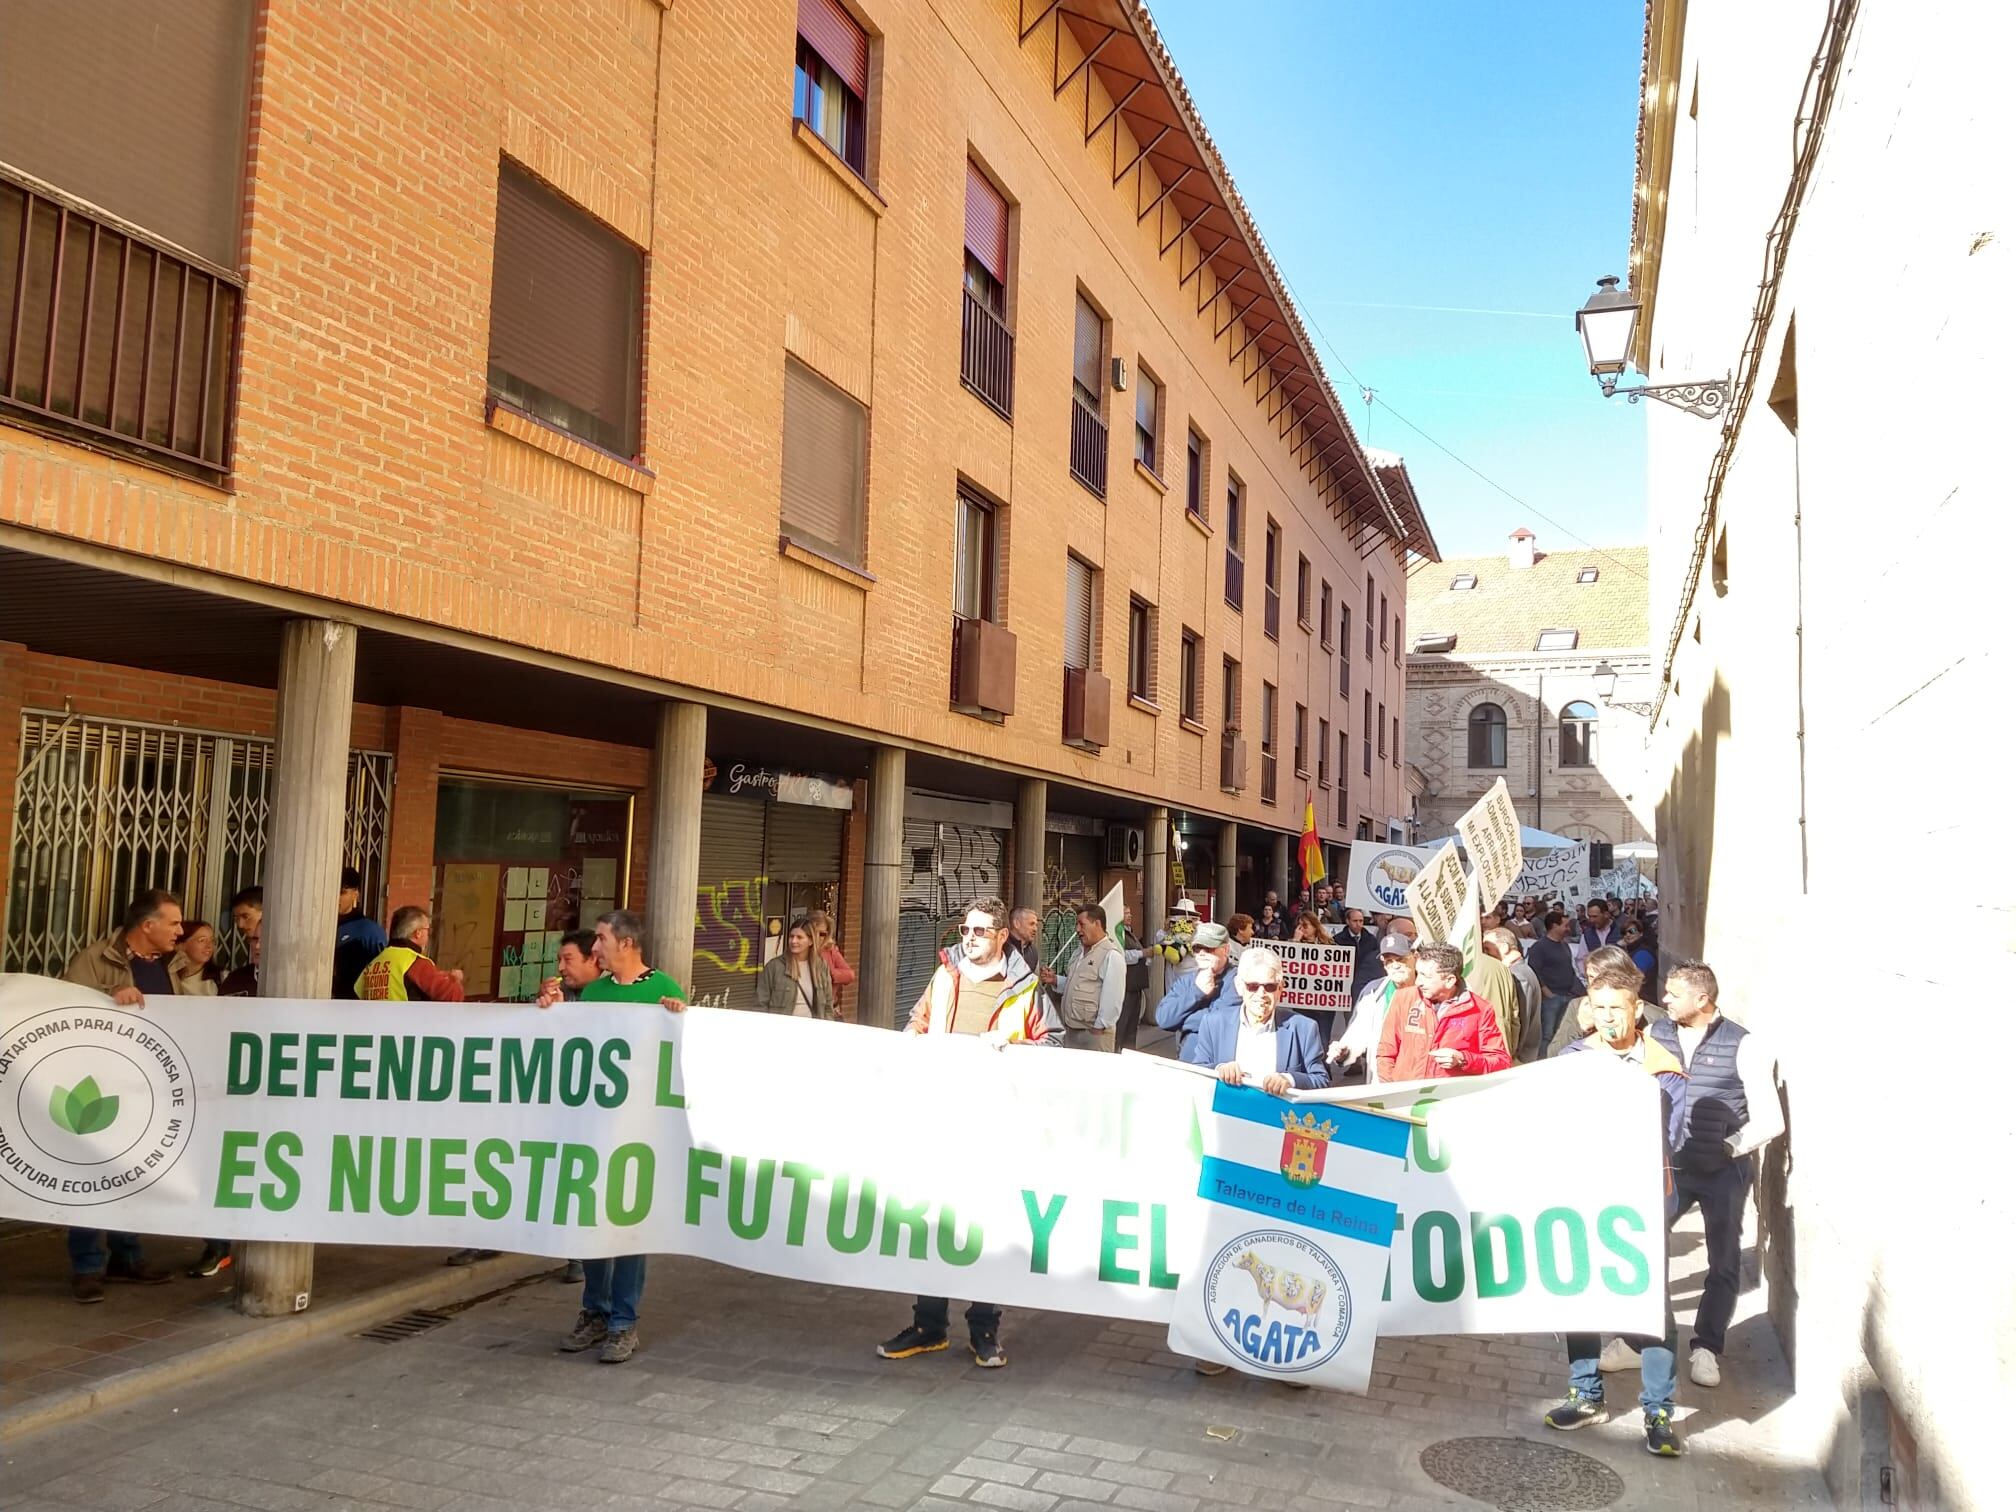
(1502, 681)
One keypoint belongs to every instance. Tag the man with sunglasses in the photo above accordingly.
(1254, 1044)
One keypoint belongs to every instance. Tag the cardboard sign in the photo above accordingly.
(1315, 978)
(1490, 832)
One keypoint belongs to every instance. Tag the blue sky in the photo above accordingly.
(1459, 153)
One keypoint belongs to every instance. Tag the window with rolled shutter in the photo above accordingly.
(566, 308)
(825, 466)
(1088, 349)
(838, 38)
(986, 223)
(801, 856)
(1079, 592)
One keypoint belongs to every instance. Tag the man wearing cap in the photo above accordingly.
(359, 937)
(1360, 1039)
(1208, 983)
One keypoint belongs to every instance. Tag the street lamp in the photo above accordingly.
(1605, 678)
(1607, 324)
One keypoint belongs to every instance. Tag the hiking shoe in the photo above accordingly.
(471, 1256)
(1575, 1411)
(215, 1257)
(88, 1286)
(986, 1346)
(1209, 1367)
(1659, 1437)
(590, 1329)
(140, 1273)
(912, 1341)
(1703, 1369)
(574, 1273)
(619, 1346)
(1617, 1355)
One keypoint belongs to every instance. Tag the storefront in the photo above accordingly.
(955, 850)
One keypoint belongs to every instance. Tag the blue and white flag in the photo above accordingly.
(1287, 1279)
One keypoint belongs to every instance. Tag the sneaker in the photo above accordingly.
(1703, 1369)
(1209, 1367)
(215, 1257)
(987, 1352)
(471, 1256)
(574, 1274)
(88, 1286)
(590, 1329)
(140, 1273)
(1576, 1411)
(1617, 1355)
(1659, 1437)
(912, 1341)
(619, 1346)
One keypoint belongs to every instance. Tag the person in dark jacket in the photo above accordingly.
(1614, 1009)
(1254, 1044)
(1194, 993)
(359, 937)
(1553, 961)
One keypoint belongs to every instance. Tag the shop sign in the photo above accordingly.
(743, 780)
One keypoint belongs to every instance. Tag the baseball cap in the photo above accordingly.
(1210, 937)
(1395, 944)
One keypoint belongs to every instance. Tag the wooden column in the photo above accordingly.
(1228, 872)
(1032, 808)
(672, 889)
(1155, 894)
(304, 861)
(882, 887)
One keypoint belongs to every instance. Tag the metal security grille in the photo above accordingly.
(104, 808)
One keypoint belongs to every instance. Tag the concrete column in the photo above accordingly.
(672, 885)
(1228, 871)
(1283, 870)
(1032, 807)
(304, 857)
(882, 887)
(1155, 894)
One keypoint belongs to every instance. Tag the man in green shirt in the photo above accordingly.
(612, 1289)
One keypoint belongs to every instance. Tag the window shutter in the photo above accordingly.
(1087, 349)
(837, 37)
(825, 454)
(138, 109)
(986, 224)
(1077, 614)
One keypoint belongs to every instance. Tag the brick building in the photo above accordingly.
(587, 399)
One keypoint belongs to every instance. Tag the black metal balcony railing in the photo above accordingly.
(1235, 579)
(987, 356)
(1272, 621)
(1088, 446)
(111, 336)
(1267, 765)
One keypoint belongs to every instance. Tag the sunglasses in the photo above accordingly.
(1273, 987)
(977, 929)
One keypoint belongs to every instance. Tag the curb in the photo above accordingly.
(461, 1284)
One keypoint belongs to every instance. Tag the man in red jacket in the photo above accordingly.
(1450, 1032)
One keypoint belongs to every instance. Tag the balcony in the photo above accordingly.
(1088, 699)
(1272, 622)
(1232, 762)
(983, 667)
(1235, 579)
(986, 356)
(1268, 762)
(113, 339)
(1088, 446)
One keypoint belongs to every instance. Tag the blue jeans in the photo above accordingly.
(88, 1250)
(1655, 1370)
(613, 1289)
(1551, 1009)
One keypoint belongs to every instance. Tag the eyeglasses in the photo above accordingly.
(1273, 987)
(977, 929)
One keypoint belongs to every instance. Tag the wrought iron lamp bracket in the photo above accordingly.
(1705, 400)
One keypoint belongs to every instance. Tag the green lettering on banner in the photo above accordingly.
(1490, 1282)
(950, 1250)
(494, 1201)
(575, 1183)
(321, 1058)
(847, 1241)
(280, 1194)
(437, 1068)
(700, 1168)
(1112, 1241)
(802, 1178)
(615, 1088)
(1545, 1251)
(441, 1179)
(525, 1071)
(1399, 1228)
(395, 1068)
(393, 1198)
(1159, 1275)
(632, 1169)
(241, 1075)
(1424, 1155)
(476, 1068)
(667, 1097)
(1040, 1225)
(577, 1067)
(1624, 1283)
(281, 1061)
(350, 1173)
(536, 1152)
(356, 1066)
(897, 1216)
(233, 1167)
(757, 1219)
(1428, 1228)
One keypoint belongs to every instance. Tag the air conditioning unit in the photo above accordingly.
(1125, 846)
(983, 667)
(1088, 698)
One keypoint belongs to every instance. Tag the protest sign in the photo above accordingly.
(1029, 1177)
(1315, 978)
(1435, 896)
(1490, 831)
(1287, 1278)
(1379, 874)
(1562, 873)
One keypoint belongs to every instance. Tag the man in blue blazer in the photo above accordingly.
(1251, 1041)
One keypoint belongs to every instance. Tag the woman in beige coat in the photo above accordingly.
(797, 980)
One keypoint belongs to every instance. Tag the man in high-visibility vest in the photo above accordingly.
(402, 972)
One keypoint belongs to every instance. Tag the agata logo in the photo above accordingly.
(1278, 1301)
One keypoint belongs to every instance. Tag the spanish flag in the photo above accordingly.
(1312, 845)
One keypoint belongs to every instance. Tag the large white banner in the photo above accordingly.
(1562, 873)
(1377, 875)
(1031, 1176)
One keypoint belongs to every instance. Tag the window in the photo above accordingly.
(975, 559)
(1235, 542)
(566, 311)
(1271, 620)
(1081, 610)
(1425, 644)
(1194, 495)
(1557, 640)
(1268, 711)
(1088, 406)
(1396, 740)
(1302, 591)
(1343, 774)
(986, 348)
(1322, 753)
(825, 466)
(1383, 620)
(1463, 582)
(1192, 670)
(1344, 651)
(1140, 650)
(1148, 421)
(1368, 616)
(1323, 613)
(1399, 639)
(1587, 575)
(1301, 740)
(1230, 696)
(1365, 733)
(1578, 735)
(831, 91)
(1382, 732)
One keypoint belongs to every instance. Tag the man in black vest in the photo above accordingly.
(1732, 1111)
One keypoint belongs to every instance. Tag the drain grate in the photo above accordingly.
(410, 1325)
(1518, 1475)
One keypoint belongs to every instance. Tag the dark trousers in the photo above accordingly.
(934, 1315)
(1720, 1195)
(88, 1251)
(1552, 1006)
(1130, 1020)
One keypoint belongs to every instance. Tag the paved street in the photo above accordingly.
(758, 1394)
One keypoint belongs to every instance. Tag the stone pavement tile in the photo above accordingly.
(694, 1493)
(864, 1467)
(1006, 1472)
(1081, 1487)
(895, 1489)
(1131, 1475)
(1054, 1459)
(1013, 1498)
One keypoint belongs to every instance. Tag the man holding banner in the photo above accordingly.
(1255, 1045)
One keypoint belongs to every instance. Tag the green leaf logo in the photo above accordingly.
(82, 1109)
